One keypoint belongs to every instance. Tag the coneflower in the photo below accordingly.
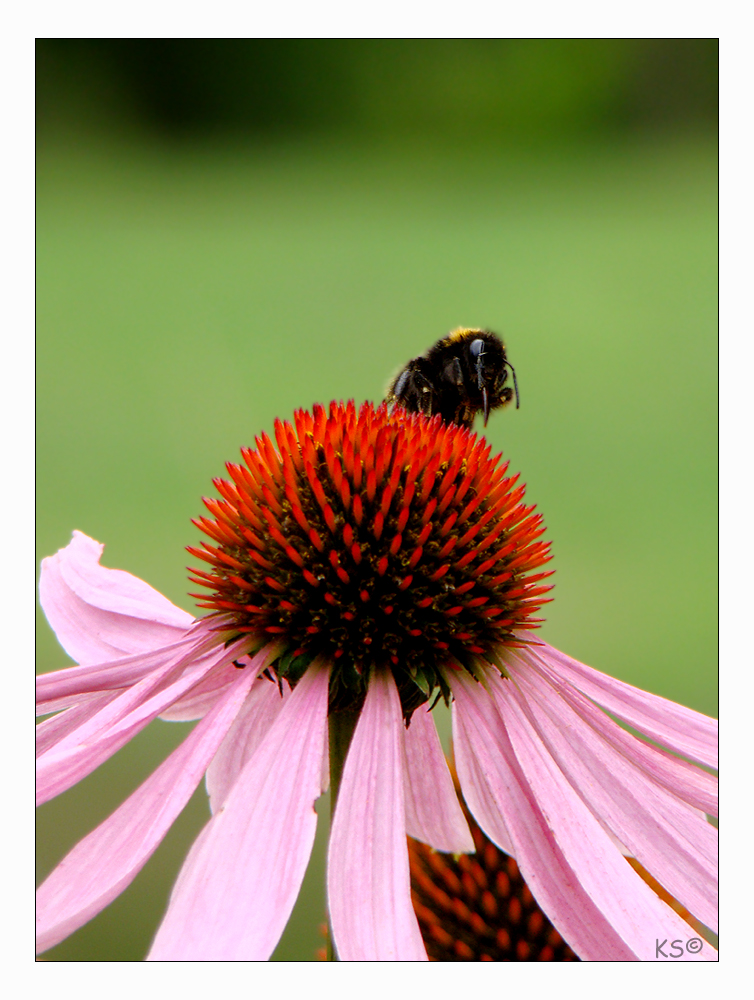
(359, 567)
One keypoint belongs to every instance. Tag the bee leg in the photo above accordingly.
(412, 390)
(425, 394)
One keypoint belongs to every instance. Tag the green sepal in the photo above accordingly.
(421, 682)
(495, 659)
(283, 663)
(297, 667)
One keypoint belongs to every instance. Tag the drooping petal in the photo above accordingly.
(674, 726)
(59, 704)
(687, 781)
(100, 614)
(240, 880)
(367, 864)
(57, 727)
(488, 769)
(60, 688)
(102, 864)
(198, 701)
(433, 813)
(250, 727)
(100, 736)
(671, 840)
(477, 778)
(631, 908)
(188, 661)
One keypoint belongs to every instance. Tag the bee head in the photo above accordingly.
(489, 363)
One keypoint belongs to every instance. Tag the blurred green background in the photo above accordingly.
(228, 230)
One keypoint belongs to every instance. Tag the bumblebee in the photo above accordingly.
(462, 375)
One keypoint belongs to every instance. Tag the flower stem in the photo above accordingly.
(341, 726)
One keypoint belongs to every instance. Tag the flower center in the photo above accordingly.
(373, 539)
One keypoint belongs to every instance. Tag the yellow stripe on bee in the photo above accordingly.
(460, 333)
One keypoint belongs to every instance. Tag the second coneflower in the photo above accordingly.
(366, 563)
(477, 908)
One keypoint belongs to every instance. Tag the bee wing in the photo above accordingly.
(453, 373)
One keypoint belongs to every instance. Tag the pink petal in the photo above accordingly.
(159, 667)
(252, 724)
(201, 698)
(97, 739)
(54, 729)
(672, 841)
(488, 770)
(687, 781)
(367, 866)
(433, 813)
(678, 728)
(240, 880)
(631, 908)
(114, 589)
(324, 781)
(59, 687)
(100, 614)
(476, 778)
(59, 704)
(101, 865)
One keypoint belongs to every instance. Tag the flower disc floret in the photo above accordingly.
(372, 539)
